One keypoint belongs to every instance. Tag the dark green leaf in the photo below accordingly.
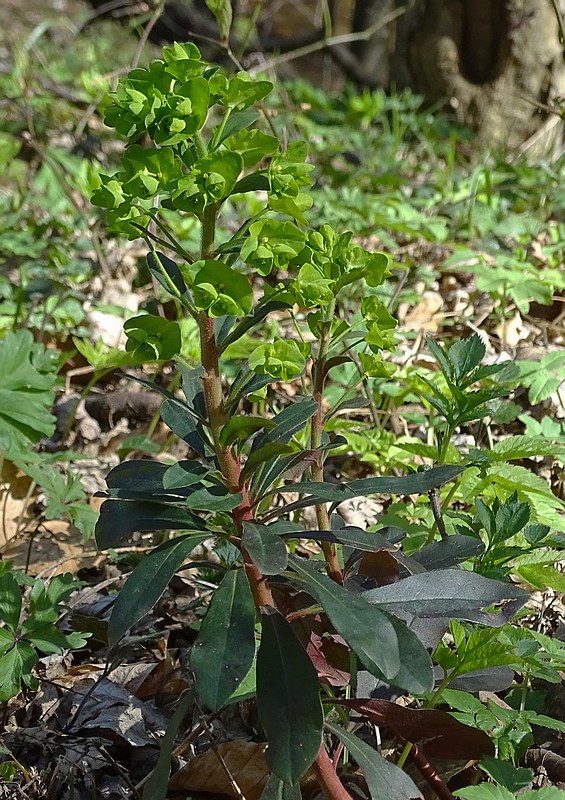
(213, 499)
(384, 779)
(156, 787)
(449, 552)
(373, 638)
(147, 583)
(288, 422)
(149, 477)
(183, 476)
(288, 699)
(241, 428)
(225, 648)
(417, 483)
(119, 518)
(167, 273)
(250, 322)
(10, 601)
(236, 123)
(266, 548)
(444, 593)
(368, 541)
(276, 789)
(263, 454)
(182, 422)
(416, 673)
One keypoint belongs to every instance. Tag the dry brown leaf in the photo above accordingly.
(57, 549)
(512, 331)
(243, 761)
(423, 315)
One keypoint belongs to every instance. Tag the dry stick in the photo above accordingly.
(332, 41)
(159, 8)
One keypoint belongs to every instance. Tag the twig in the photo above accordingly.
(332, 41)
(159, 8)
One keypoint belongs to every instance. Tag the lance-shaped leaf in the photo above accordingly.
(182, 422)
(438, 733)
(288, 699)
(276, 789)
(449, 552)
(216, 498)
(448, 593)
(225, 648)
(417, 483)
(368, 541)
(239, 429)
(265, 547)
(372, 637)
(385, 780)
(118, 518)
(288, 422)
(167, 273)
(156, 787)
(147, 583)
(416, 673)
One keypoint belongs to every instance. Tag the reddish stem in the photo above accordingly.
(429, 774)
(327, 777)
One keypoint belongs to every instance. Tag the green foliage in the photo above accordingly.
(22, 639)
(209, 162)
(27, 378)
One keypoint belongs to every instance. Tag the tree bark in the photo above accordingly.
(496, 63)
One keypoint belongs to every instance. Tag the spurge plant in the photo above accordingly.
(295, 632)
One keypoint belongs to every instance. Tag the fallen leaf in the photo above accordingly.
(243, 763)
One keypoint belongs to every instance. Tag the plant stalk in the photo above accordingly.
(329, 550)
(327, 777)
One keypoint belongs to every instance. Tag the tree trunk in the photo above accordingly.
(497, 63)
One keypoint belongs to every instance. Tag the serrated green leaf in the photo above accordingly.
(27, 379)
(506, 774)
(465, 355)
(542, 576)
(486, 791)
(10, 601)
(225, 647)
(15, 667)
(147, 583)
(289, 706)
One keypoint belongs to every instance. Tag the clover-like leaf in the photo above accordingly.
(283, 359)
(220, 289)
(210, 181)
(253, 146)
(312, 288)
(152, 338)
(272, 244)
